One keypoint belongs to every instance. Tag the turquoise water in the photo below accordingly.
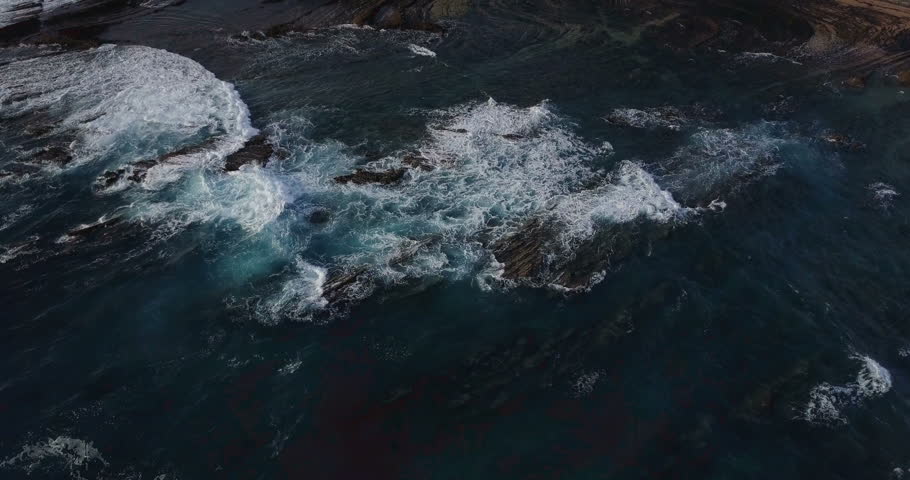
(747, 320)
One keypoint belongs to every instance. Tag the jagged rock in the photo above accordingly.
(362, 177)
(257, 150)
(136, 172)
(338, 284)
(381, 14)
(417, 161)
(346, 285)
(54, 155)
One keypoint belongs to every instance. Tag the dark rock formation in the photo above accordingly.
(54, 155)
(99, 228)
(422, 15)
(257, 150)
(417, 161)
(382, 177)
(535, 256)
(350, 284)
(136, 172)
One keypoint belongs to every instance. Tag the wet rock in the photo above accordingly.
(388, 16)
(257, 151)
(101, 227)
(136, 172)
(351, 284)
(417, 161)
(339, 285)
(513, 136)
(55, 155)
(855, 82)
(363, 177)
(842, 143)
(419, 15)
(903, 78)
(523, 254)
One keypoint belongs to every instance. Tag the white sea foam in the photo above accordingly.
(827, 402)
(11, 252)
(629, 194)
(298, 298)
(584, 384)
(718, 161)
(422, 51)
(883, 195)
(493, 168)
(13, 217)
(290, 367)
(69, 454)
(133, 101)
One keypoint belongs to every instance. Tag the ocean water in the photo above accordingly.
(742, 315)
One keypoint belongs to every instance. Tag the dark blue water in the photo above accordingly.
(749, 322)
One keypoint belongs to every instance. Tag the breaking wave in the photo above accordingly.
(134, 103)
(484, 171)
(827, 402)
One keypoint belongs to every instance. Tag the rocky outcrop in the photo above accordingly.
(422, 15)
(349, 284)
(381, 177)
(136, 172)
(388, 176)
(54, 155)
(536, 256)
(257, 151)
(99, 228)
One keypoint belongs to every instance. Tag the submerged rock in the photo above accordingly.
(319, 216)
(417, 161)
